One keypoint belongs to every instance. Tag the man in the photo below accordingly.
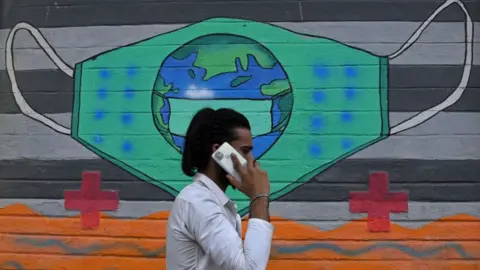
(204, 229)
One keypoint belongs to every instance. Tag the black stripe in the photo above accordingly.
(141, 191)
(452, 192)
(352, 171)
(65, 13)
(435, 180)
(412, 10)
(412, 88)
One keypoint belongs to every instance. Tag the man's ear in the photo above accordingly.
(215, 147)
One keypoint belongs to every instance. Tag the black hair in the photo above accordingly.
(209, 127)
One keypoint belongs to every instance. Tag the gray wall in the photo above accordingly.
(437, 163)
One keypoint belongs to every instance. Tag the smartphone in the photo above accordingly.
(223, 157)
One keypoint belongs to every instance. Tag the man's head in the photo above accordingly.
(207, 131)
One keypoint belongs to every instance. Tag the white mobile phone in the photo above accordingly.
(222, 157)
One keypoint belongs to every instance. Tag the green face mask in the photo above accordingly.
(310, 100)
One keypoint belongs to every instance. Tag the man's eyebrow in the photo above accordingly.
(249, 147)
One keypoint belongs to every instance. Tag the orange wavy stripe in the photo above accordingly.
(19, 222)
(458, 227)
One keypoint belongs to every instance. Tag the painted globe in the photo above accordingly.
(222, 71)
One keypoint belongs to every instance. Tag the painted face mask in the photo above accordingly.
(311, 100)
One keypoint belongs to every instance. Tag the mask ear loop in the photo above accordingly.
(19, 99)
(457, 93)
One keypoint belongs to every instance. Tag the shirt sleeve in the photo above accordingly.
(220, 240)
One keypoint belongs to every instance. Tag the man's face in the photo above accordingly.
(243, 144)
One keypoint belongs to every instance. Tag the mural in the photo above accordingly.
(314, 103)
(245, 76)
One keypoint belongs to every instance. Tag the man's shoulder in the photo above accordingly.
(195, 193)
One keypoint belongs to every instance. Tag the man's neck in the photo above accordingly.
(213, 175)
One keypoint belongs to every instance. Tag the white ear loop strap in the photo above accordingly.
(19, 99)
(457, 93)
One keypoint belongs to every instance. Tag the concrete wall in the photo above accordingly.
(330, 66)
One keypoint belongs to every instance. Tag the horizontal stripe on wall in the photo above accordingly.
(362, 34)
(87, 13)
(411, 89)
(442, 54)
(424, 180)
(442, 44)
(353, 171)
(312, 191)
(39, 142)
(444, 123)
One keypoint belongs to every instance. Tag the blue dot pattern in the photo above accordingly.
(321, 71)
(127, 146)
(105, 74)
(347, 144)
(98, 139)
(346, 116)
(317, 123)
(102, 93)
(131, 71)
(315, 150)
(350, 93)
(350, 72)
(99, 115)
(318, 96)
(128, 92)
(127, 118)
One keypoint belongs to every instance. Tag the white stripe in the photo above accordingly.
(442, 44)
(446, 136)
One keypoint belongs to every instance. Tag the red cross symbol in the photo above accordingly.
(378, 202)
(90, 200)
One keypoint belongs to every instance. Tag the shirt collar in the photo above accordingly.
(213, 187)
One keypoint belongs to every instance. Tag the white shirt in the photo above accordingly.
(204, 232)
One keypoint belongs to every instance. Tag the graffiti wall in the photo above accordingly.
(364, 113)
